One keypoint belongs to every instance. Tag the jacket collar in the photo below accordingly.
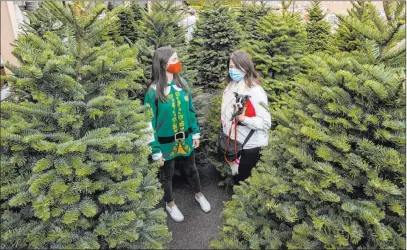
(171, 83)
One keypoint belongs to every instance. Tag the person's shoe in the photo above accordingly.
(203, 202)
(175, 213)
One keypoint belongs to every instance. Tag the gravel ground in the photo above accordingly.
(198, 227)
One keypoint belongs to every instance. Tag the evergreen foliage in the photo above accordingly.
(318, 29)
(41, 22)
(216, 36)
(129, 24)
(200, 4)
(346, 38)
(145, 57)
(137, 11)
(333, 175)
(248, 16)
(74, 148)
(277, 53)
(210, 134)
(386, 37)
(161, 27)
(157, 28)
(285, 7)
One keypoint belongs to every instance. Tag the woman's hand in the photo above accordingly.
(195, 143)
(242, 116)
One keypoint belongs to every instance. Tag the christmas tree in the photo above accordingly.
(157, 28)
(216, 36)
(334, 173)
(318, 29)
(129, 22)
(285, 8)
(130, 31)
(384, 40)
(41, 22)
(346, 38)
(74, 148)
(137, 11)
(248, 17)
(200, 4)
(210, 132)
(277, 53)
(161, 27)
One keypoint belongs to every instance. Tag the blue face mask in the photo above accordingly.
(236, 74)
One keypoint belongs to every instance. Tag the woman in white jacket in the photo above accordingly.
(242, 78)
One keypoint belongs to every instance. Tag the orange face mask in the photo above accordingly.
(175, 67)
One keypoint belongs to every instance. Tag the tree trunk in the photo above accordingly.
(149, 3)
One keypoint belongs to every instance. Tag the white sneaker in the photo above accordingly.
(203, 202)
(175, 213)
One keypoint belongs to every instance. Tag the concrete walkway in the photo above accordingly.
(198, 228)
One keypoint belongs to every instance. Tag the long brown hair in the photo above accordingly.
(244, 62)
(159, 69)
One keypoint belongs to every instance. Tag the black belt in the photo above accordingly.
(176, 137)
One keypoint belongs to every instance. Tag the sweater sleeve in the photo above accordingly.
(149, 100)
(262, 120)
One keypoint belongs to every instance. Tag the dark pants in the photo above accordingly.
(189, 167)
(248, 161)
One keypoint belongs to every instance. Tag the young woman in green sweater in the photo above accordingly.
(176, 130)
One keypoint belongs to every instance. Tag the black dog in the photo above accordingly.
(239, 105)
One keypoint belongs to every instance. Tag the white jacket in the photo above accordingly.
(261, 122)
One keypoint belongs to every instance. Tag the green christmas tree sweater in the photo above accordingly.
(174, 123)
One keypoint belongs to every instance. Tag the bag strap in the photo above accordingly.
(235, 148)
(235, 141)
(227, 145)
(248, 137)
